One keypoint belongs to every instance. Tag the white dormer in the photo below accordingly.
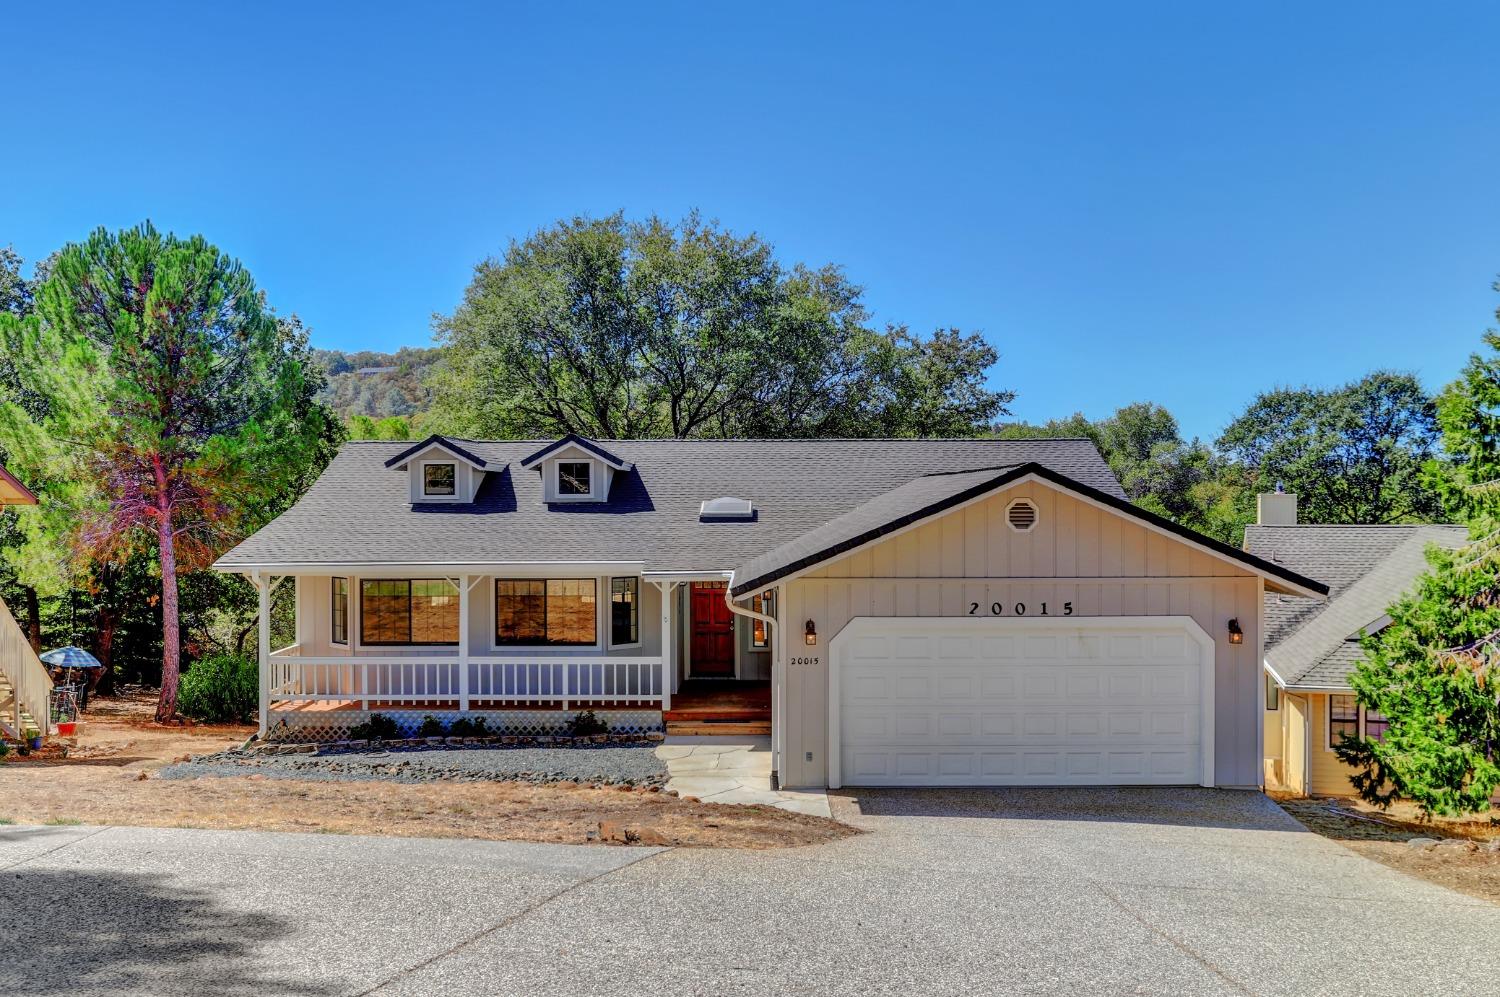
(440, 471)
(574, 469)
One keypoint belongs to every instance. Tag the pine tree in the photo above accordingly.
(1434, 672)
(177, 408)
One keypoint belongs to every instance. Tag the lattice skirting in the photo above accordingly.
(335, 725)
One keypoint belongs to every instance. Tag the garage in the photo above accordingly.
(1021, 702)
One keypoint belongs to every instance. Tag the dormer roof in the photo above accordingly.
(586, 445)
(439, 441)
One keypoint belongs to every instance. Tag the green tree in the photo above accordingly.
(1185, 481)
(392, 427)
(612, 328)
(1352, 454)
(178, 406)
(1434, 672)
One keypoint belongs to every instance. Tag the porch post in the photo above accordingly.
(263, 587)
(668, 660)
(463, 642)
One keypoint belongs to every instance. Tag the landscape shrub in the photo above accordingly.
(587, 724)
(221, 688)
(431, 727)
(465, 727)
(378, 728)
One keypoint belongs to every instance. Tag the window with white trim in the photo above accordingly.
(1273, 694)
(1343, 719)
(764, 602)
(439, 479)
(556, 611)
(575, 477)
(1375, 724)
(340, 628)
(624, 611)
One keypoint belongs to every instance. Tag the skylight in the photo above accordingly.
(726, 508)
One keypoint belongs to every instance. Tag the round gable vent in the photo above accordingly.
(1021, 515)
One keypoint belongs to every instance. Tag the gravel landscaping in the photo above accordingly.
(605, 765)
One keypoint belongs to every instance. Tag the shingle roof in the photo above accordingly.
(931, 494)
(359, 511)
(1315, 644)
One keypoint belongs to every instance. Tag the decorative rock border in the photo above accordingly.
(502, 741)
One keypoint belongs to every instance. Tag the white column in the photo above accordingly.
(263, 585)
(668, 660)
(463, 642)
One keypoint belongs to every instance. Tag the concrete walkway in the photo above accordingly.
(732, 770)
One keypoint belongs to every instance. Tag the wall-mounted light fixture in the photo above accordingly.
(1236, 635)
(810, 635)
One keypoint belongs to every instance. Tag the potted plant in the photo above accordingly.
(33, 738)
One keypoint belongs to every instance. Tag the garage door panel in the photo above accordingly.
(1095, 708)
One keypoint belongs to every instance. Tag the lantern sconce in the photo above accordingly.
(1236, 635)
(810, 635)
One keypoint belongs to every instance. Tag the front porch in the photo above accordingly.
(684, 657)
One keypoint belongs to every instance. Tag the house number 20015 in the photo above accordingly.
(1019, 609)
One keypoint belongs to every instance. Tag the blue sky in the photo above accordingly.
(1187, 203)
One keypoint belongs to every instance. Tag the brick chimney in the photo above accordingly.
(1276, 508)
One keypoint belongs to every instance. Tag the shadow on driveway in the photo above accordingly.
(67, 932)
(1182, 806)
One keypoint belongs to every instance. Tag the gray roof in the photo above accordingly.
(359, 511)
(1316, 644)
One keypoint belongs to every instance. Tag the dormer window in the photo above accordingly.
(574, 477)
(440, 470)
(439, 479)
(574, 469)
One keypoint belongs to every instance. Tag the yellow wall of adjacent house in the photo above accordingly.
(1103, 563)
(1328, 775)
(1285, 756)
(1275, 747)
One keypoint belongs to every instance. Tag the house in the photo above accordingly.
(24, 683)
(899, 612)
(1312, 646)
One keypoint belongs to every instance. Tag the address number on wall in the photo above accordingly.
(1021, 609)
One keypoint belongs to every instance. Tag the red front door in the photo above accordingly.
(713, 631)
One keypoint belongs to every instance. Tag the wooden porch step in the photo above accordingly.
(698, 727)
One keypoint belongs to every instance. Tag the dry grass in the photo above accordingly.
(1382, 835)
(105, 779)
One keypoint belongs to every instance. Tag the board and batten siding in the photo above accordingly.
(1102, 562)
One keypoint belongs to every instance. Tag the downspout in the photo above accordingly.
(770, 622)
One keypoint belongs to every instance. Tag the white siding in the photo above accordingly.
(1102, 563)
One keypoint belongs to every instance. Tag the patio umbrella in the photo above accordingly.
(70, 657)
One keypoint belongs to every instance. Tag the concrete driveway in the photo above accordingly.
(1026, 892)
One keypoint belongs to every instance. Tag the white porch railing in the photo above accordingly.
(483, 682)
(24, 682)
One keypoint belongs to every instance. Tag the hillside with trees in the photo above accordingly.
(377, 385)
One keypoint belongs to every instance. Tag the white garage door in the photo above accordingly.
(990, 702)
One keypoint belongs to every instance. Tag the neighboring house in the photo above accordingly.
(900, 612)
(24, 683)
(1312, 646)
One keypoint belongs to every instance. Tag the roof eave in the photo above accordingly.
(586, 445)
(437, 440)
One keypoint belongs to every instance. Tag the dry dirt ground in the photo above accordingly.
(1382, 835)
(105, 779)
